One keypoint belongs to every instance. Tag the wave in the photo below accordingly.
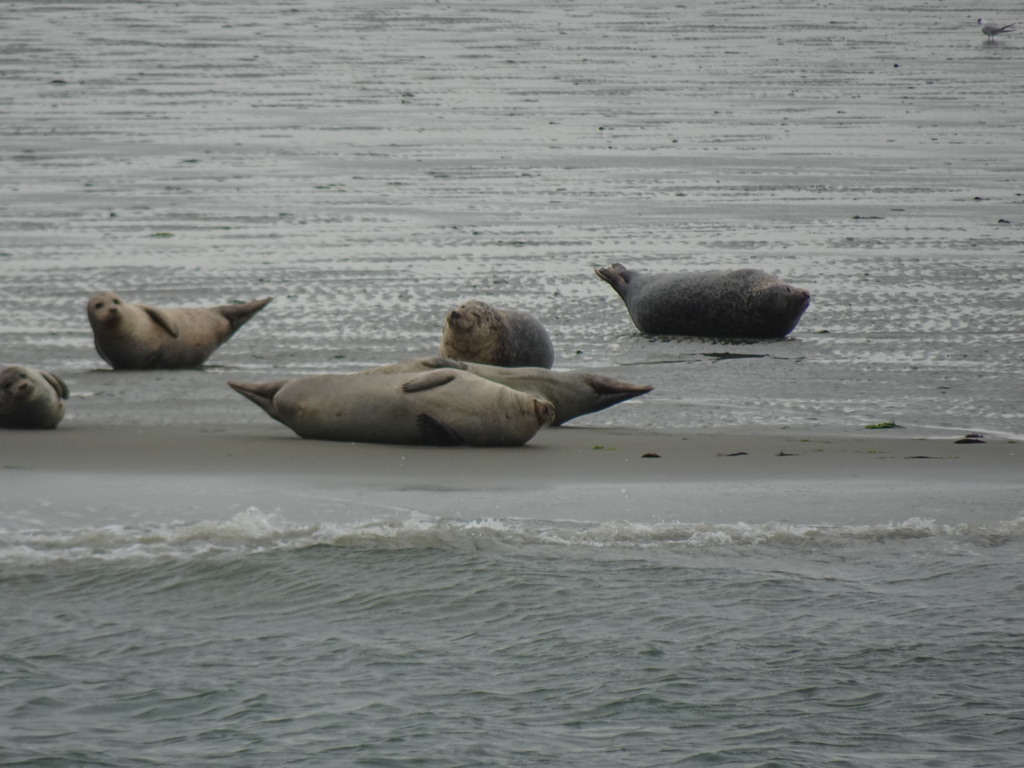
(253, 532)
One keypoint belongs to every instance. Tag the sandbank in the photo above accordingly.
(120, 473)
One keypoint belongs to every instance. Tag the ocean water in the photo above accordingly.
(374, 163)
(504, 642)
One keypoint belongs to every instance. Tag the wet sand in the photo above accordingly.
(372, 165)
(116, 472)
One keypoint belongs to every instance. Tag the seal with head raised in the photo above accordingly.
(572, 393)
(477, 332)
(438, 407)
(30, 398)
(141, 336)
(745, 303)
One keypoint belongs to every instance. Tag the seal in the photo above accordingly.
(572, 393)
(476, 332)
(745, 303)
(132, 336)
(30, 398)
(438, 407)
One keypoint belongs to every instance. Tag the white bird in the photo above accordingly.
(992, 29)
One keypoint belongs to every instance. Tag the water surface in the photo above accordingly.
(372, 165)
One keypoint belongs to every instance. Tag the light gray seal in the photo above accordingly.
(132, 336)
(745, 303)
(30, 398)
(440, 407)
(476, 332)
(572, 393)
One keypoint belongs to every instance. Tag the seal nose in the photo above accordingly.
(802, 293)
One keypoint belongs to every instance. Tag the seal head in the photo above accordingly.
(480, 333)
(30, 398)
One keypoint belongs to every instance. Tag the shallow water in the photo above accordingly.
(254, 642)
(374, 164)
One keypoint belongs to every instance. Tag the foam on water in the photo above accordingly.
(254, 532)
(374, 163)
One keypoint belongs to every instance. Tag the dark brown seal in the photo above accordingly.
(479, 333)
(745, 303)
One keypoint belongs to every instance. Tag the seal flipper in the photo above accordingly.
(607, 392)
(154, 360)
(616, 275)
(57, 383)
(429, 380)
(238, 315)
(607, 387)
(161, 318)
(444, 362)
(434, 432)
(261, 394)
(102, 354)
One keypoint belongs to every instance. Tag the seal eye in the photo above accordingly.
(98, 305)
(117, 301)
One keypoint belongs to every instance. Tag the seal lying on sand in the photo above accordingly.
(746, 303)
(440, 407)
(30, 398)
(479, 333)
(141, 336)
(572, 393)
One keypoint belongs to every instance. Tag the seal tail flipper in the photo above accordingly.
(544, 410)
(616, 275)
(239, 314)
(262, 394)
(434, 432)
(612, 391)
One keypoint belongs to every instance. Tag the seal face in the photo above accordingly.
(745, 303)
(572, 393)
(480, 333)
(131, 336)
(438, 407)
(30, 398)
